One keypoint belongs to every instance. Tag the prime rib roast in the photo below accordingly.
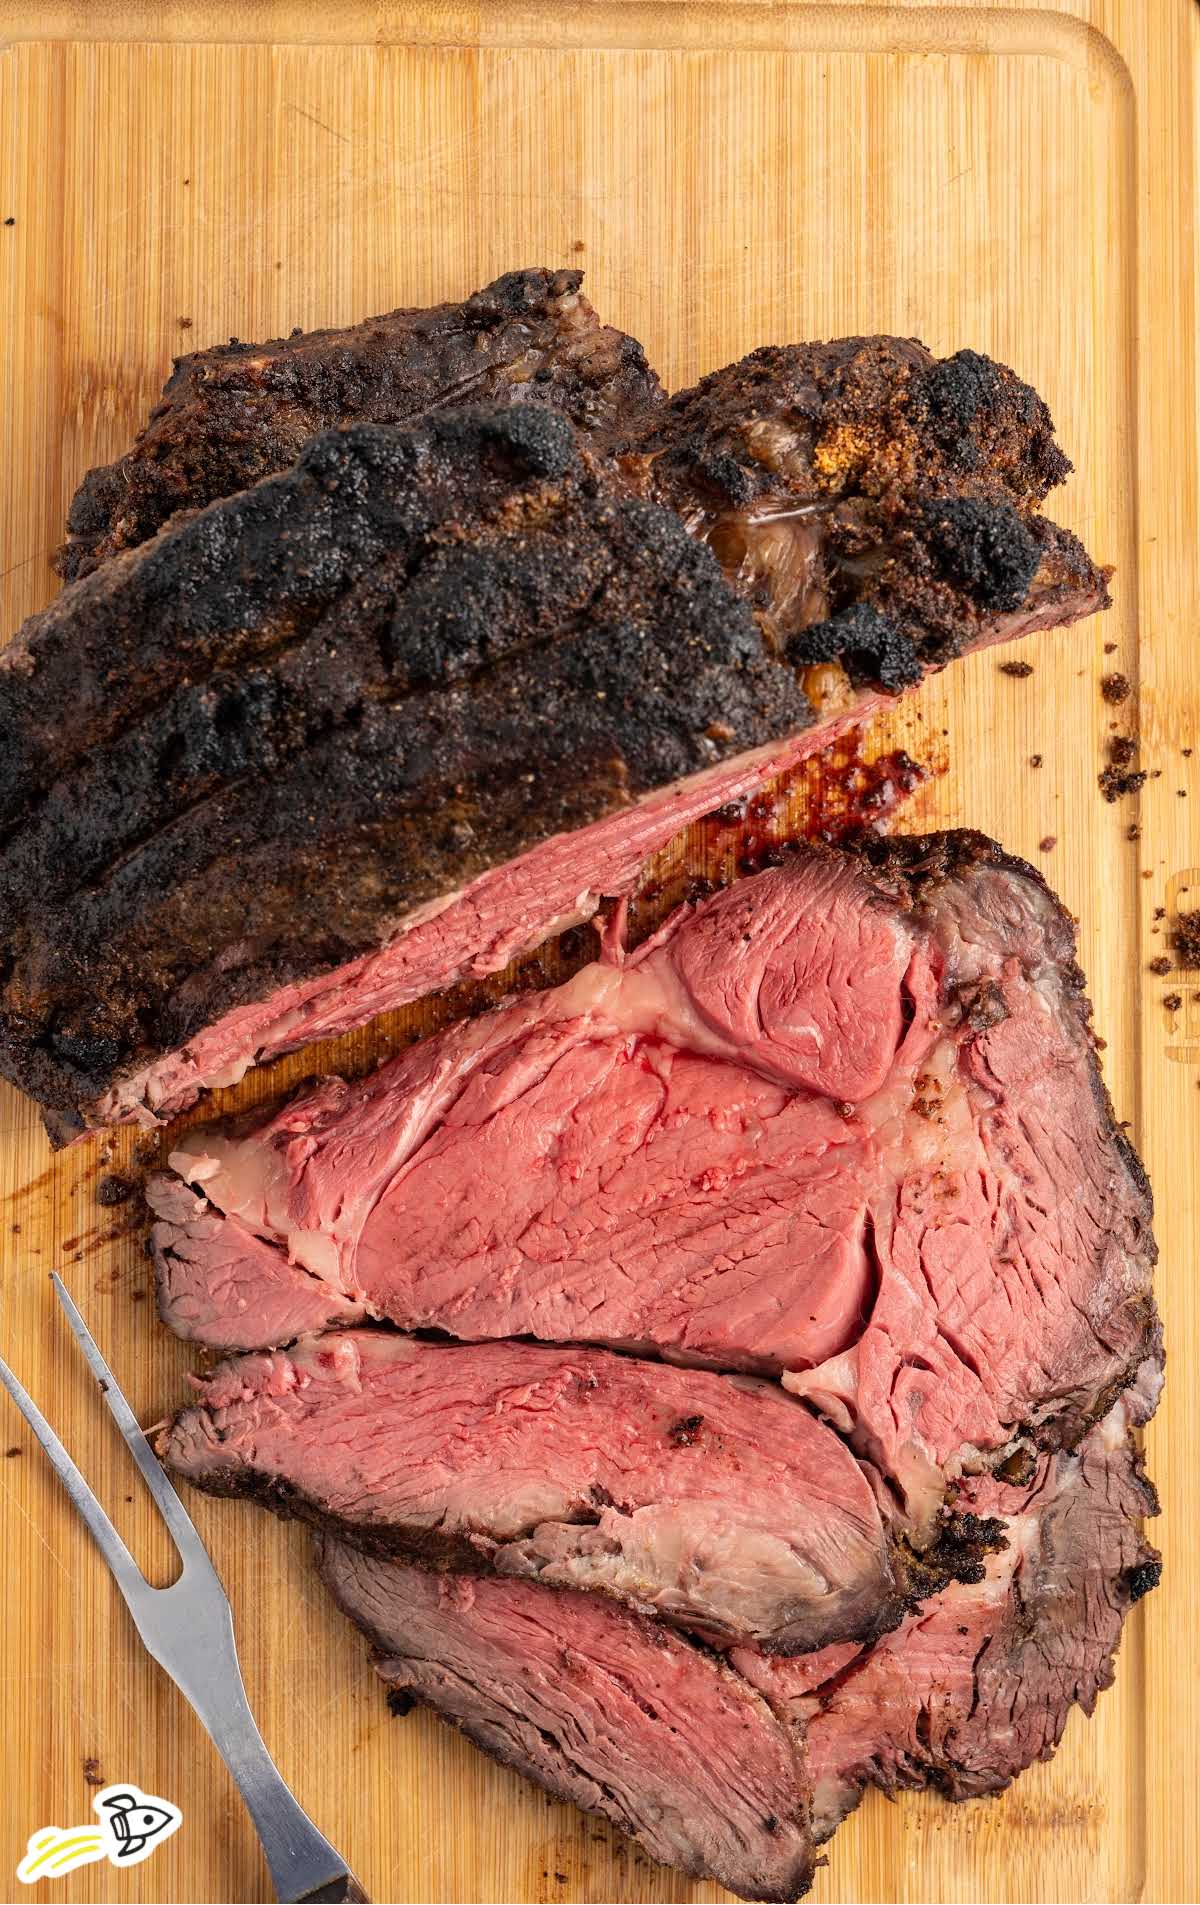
(831, 1142)
(287, 755)
(714, 1380)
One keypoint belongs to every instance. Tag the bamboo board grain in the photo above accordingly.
(1016, 179)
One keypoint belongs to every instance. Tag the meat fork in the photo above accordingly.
(188, 1629)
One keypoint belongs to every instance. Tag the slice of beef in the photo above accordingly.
(717, 1502)
(842, 1121)
(813, 469)
(600, 1706)
(231, 415)
(979, 1683)
(396, 715)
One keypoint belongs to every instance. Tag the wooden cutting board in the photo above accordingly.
(1015, 179)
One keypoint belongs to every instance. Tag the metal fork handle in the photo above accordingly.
(189, 1631)
(302, 1862)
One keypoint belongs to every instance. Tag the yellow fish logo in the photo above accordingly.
(133, 1824)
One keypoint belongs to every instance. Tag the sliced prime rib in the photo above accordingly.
(231, 415)
(969, 1691)
(599, 1705)
(718, 1502)
(979, 1682)
(402, 711)
(842, 1121)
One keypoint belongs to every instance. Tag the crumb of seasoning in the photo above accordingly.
(1019, 670)
(1173, 1001)
(92, 1773)
(1110, 648)
(1115, 688)
(1035, 760)
(1051, 840)
(10, 221)
(1185, 938)
(11, 1452)
(185, 324)
(1161, 965)
(1133, 831)
(114, 1190)
(1182, 792)
(1119, 778)
(1114, 784)
(1160, 912)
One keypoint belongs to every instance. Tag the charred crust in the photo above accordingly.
(985, 547)
(872, 649)
(281, 688)
(919, 481)
(232, 415)
(978, 408)
(962, 1542)
(1141, 1579)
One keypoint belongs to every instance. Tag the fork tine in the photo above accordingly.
(129, 1577)
(183, 1532)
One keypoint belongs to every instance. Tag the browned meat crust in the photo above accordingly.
(232, 415)
(811, 467)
